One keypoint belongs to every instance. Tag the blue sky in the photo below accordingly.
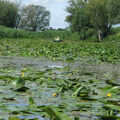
(56, 8)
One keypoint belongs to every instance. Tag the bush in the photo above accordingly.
(13, 33)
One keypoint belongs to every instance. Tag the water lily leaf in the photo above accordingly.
(76, 93)
(114, 89)
(76, 118)
(53, 115)
(114, 107)
(9, 99)
(61, 89)
(31, 101)
(111, 82)
(14, 118)
(22, 89)
(82, 91)
(15, 112)
(103, 101)
(18, 83)
(109, 117)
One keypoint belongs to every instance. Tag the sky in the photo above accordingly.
(56, 8)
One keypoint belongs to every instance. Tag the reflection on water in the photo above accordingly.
(55, 66)
(19, 104)
(38, 63)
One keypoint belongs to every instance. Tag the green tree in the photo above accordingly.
(8, 13)
(99, 14)
(103, 15)
(78, 18)
(113, 8)
(34, 18)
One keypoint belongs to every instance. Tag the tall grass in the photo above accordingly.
(48, 34)
(13, 33)
(89, 35)
(51, 34)
(65, 34)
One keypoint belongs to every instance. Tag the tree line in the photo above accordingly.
(83, 15)
(30, 17)
(99, 15)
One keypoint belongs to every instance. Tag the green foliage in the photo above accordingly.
(78, 19)
(31, 101)
(65, 51)
(113, 12)
(13, 33)
(100, 15)
(51, 34)
(8, 13)
(31, 17)
(103, 14)
(58, 92)
(34, 18)
(53, 115)
(89, 35)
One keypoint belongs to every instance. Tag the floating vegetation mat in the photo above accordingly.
(68, 51)
(34, 89)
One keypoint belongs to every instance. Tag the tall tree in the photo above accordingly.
(113, 8)
(77, 18)
(103, 15)
(99, 14)
(8, 13)
(34, 18)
